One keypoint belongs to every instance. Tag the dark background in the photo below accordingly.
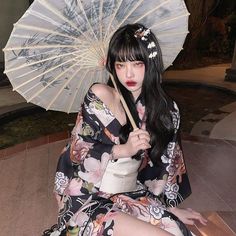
(212, 26)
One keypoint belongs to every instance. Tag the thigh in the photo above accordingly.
(125, 224)
(150, 211)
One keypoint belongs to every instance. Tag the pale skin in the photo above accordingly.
(138, 140)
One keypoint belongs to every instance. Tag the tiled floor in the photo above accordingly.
(212, 169)
(28, 206)
(27, 202)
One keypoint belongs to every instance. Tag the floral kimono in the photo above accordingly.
(83, 163)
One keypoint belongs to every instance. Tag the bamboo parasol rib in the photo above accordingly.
(58, 48)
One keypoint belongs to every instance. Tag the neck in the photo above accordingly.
(136, 94)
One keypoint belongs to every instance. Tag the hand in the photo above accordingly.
(138, 140)
(187, 216)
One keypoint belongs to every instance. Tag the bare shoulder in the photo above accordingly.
(111, 98)
(104, 92)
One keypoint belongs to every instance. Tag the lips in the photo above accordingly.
(130, 83)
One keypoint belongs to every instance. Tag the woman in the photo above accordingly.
(111, 179)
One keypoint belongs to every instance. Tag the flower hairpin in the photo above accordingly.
(151, 45)
(153, 54)
(143, 35)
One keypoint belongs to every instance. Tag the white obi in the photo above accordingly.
(120, 176)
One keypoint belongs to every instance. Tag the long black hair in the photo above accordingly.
(127, 45)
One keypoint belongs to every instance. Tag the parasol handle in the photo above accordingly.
(131, 119)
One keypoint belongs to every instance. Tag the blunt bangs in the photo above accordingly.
(129, 53)
(128, 49)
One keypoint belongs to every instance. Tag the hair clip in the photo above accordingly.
(151, 45)
(143, 35)
(152, 54)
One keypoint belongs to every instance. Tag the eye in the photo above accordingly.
(119, 65)
(139, 63)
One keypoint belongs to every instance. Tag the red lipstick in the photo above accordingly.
(130, 83)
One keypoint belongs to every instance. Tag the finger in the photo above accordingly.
(188, 222)
(141, 131)
(139, 135)
(142, 144)
(135, 133)
(197, 216)
(134, 138)
(143, 134)
(145, 137)
(192, 212)
(142, 140)
(144, 147)
(203, 221)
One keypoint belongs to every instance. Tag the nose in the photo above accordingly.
(129, 70)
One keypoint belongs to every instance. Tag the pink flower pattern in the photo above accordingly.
(94, 169)
(79, 149)
(74, 187)
(91, 143)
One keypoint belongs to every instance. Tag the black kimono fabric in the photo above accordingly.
(83, 163)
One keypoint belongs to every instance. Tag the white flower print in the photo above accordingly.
(151, 45)
(176, 117)
(155, 186)
(170, 149)
(153, 54)
(156, 212)
(171, 190)
(61, 181)
(165, 159)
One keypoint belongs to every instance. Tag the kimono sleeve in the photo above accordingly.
(87, 140)
(81, 165)
(169, 180)
(177, 186)
(88, 148)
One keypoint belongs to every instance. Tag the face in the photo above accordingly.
(131, 75)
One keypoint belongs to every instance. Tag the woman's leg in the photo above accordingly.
(125, 224)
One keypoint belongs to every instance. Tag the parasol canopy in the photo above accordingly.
(58, 47)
